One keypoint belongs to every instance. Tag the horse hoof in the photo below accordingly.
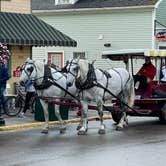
(119, 128)
(81, 132)
(101, 131)
(78, 127)
(44, 131)
(62, 130)
(125, 124)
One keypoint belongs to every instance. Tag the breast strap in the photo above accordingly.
(45, 82)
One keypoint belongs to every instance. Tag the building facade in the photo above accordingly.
(19, 53)
(100, 25)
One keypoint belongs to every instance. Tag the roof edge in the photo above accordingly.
(93, 9)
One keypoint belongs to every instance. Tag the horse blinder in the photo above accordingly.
(30, 69)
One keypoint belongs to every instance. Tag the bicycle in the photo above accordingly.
(20, 101)
(15, 103)
(10, 107)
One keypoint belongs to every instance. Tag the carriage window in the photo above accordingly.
(79, 54)
(55, 58)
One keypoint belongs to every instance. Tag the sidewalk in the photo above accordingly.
(16, 123)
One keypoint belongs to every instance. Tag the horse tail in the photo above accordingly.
(132, 94)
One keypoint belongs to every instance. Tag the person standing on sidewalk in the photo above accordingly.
(30, 92)
(4, 76)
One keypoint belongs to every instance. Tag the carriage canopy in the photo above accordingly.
(122, 54)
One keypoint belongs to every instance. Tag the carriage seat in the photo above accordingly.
(159, 91)
(147, 93)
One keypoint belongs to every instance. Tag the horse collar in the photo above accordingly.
(45, 83)
(89, 82)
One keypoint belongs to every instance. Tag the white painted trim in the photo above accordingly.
(153, 28)
(158, 3)
(57, 2)
(92, 9)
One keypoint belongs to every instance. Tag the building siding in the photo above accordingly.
(160, 12)
(124, 30)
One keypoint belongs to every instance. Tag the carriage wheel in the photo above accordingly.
(116, 116)
(162, 115)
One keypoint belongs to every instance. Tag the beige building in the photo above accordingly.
(16, 6)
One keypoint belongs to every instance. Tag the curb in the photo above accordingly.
(39, 124)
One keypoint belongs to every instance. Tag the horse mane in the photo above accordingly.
(84, 67)
(40, 67)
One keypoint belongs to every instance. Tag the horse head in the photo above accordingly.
(29, 71)
(77, 70)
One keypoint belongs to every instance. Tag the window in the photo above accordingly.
(61, 2)
(55, 58)
(79, 54)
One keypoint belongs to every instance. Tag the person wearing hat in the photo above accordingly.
(145, 75)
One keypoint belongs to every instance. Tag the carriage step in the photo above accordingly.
(138, 110)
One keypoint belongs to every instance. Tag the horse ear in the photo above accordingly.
(78, 58)
(93, 62)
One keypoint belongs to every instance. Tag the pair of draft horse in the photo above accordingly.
(81, 78)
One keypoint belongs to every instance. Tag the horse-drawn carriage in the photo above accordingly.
(86, 84)
(146, 102)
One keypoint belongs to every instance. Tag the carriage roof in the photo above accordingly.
(137, 53)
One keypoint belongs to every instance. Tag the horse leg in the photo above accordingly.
(62, 123)
(123, 121)
(81, 121)
(84, 127)
(46, 116)
(100, 113)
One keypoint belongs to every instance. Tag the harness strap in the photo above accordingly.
(107, 77)
(89, 83)
(45, 83)
(65, 90)
(122, 87)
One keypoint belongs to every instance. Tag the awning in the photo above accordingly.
(26, 29)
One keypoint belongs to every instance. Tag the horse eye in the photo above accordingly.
(76, 69)
(30, 69)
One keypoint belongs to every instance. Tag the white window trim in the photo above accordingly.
(60, 2)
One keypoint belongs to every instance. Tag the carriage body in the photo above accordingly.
(145, 104)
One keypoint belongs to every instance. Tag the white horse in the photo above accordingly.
(40, 75)
(93, 84)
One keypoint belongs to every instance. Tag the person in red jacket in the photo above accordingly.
(145, 75)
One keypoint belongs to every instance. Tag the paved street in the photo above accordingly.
(141, 144)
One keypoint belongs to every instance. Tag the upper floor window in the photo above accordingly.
(79, 54)
(61, 2)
